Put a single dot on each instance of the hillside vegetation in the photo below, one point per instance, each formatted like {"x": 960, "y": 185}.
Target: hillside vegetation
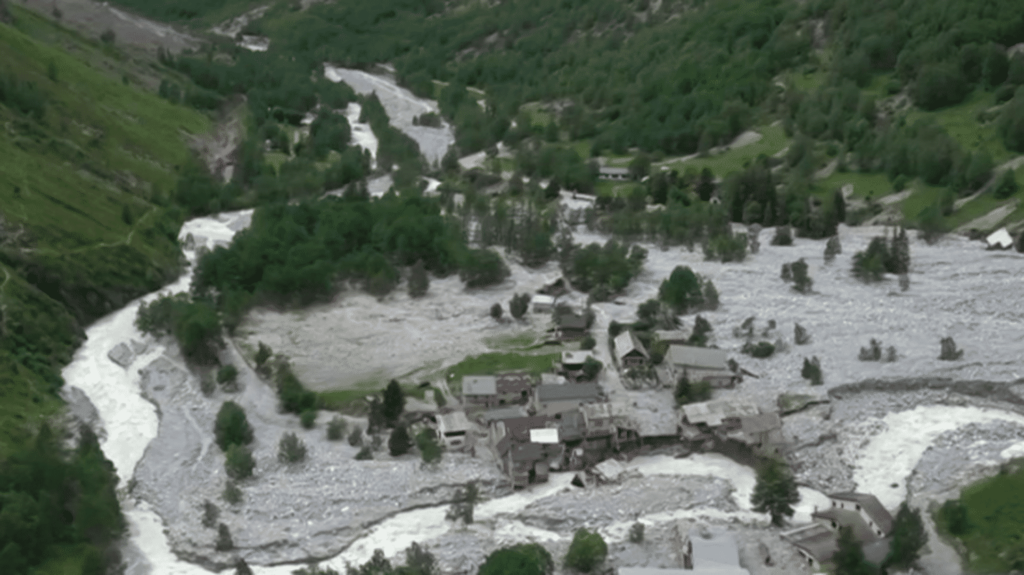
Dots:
{"x": 88, "y": 169}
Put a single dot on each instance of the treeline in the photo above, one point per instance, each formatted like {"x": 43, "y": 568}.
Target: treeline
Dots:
{"x": 51, "y": 498}
{"x": 295, "y": 254}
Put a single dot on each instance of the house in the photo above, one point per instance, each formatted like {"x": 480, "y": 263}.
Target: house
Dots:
{"x": 453, "y": 429}
{"x": 610, "y": 173}
{"x": 479, "y": 390}
{"x": 763, "y": 432}
{"x": 574, "y": 360}
{"x": 524, "y": 448}
{"x": 494, "y": 390}
{"x": 999, "y": 239}
{"x": 569, "y": 326}
{"x": 717, "y": 412}
{"x": 670, "y": 336}
{"x": 629, "y": 350}
{"x": 701, "y": 364}
{"x": 489, "y": 417}
{"x": 878, "y": 519}
{"x": 553, "y": 379}
{"x": 870, "y": 522}
{"x": 542, "y": 303}
{"x": 552, "y": 399}
{"x": 513, "y": 387}
{"x": 703, "y": 552}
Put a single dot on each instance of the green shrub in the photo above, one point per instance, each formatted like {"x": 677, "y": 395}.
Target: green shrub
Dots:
{"x": 426, "y": 442}
{"x": 232, "y": 427}
{"x": 523, "y": 559}
{"x": 232, "y": 494}
{"x": 227, "y": 377}
{"x": 239, "y": 462}
{"x": 364, "y": 454}
{"x": 586, "y": 552}
{"x": 291, "y": 449}
{"x": 761, "y": 349}
{"x": 588, "y": 342}
{"x": 336, "y": 428}
{"x": 308, "y": 419}
{"x": 399, "y": 441}
{"x": 439, "y": 398}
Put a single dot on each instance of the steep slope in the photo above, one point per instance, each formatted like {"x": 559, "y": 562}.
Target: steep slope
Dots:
{"x": 87, "y": 167}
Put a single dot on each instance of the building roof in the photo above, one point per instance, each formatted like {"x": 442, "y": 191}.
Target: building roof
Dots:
{"x": 542, "y": 299}
{"x": 503, "y": 413}
{"x": 479, "y": 385}
{"x": 653, "y": 571}
{"x": 552, "y": 379}
{"x": 513, "y": 382}
{"x": 575, "y": 357}
{"x": 760, "y": 423}
{"x": 1000, "y": 238}
{"x": 581, "y": 391}
{"x": 872, "y": 506}
{"x": 613, "y": 170}
{"x": 546, "y": 435}
{"x": 701, "y": 357}
{"x": 519, "y": 427}
{"x": 571, "y": 321}
{"x": 848, "y": 518}
{"x": 454, "y": 421}
{"x": 714, "y": 548}
{"x": 626, "y": 343}
{"x": 815, "y": 539}
{"x": 715, "y": 411}
{"x": 671, "y": 335}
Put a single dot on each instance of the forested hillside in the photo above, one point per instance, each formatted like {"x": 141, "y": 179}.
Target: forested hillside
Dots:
{"x": 89, "y": 164}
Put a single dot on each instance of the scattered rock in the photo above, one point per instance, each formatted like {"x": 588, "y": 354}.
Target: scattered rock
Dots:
{"x": 122, "y": 355}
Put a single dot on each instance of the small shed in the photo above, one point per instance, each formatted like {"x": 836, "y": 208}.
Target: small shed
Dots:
{"x": 571, "y": 326}
{"x": 999, "y": 239}
{"x": 542, "y": 303}
{"x": 453, "y": 429}
{"x": 572, "y": 360}
{"x": 612, "y": 173}
{"x": 629, "y": 350}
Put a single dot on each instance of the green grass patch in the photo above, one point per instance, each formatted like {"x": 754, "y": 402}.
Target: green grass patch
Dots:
{"x": 995, "y": 515}
{"x": 864, "y": 185}
{"x": 975, "y": 208}
{"x": 922, "y": 196}
{"x": 497, "y": 362}
{"x": 773, "y": 140}
{"x": 961, "y": 121}
{"x": 517, "y": 341}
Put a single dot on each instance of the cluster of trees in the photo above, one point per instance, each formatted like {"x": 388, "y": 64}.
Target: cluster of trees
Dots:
{"x": 883, "y": 254}
{"x": 602, "y": 271}
{"x": 52, "y": 497}
{"x": 522, "y": 226}
{"x": 296, "y": 254}
{"x": 687, "y": 292}
{"x": 194, "y": 323}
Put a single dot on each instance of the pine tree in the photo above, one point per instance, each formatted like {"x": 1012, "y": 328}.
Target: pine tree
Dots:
{"x": 849, "y": 559}
{"x": 394, "y": 402}
{"x": 908, "y": 537}
{"x": 800, "y": 335}
{"x": 899, "y": 253}
{"x": 775, "y": 492}
{"x": 802, "y": 282}
{"x": 399, "y": 443}
{"x": 518, "y": 305}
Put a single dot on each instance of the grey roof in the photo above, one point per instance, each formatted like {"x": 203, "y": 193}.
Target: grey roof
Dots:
{"x": 571, "y": 321}
{"x": 760, "y": 423}
{"x": 653, "y": 571}
{"x": 479, "y": 385}
{"x": 671, "y": 335}
{"x": 718, "y": 548}
{"x": 568, "y": 392}
{"x": 872, "y": 506}
{"x": 702, "y": 357}
{"x": 613, "y": 170}
{"x": 503, "y": 413}
{"x": 714, "y": 411}
{"x": 848, "y": 518}
{"x": 816, "y": 539}
{"x": 626, "y": 343}
{"x": 454, "y": 421}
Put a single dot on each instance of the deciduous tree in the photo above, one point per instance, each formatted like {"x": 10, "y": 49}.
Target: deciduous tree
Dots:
{"x": 587, "y": 551}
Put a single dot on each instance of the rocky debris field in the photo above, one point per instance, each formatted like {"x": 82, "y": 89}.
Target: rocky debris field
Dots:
{"x": 289, "y": 513}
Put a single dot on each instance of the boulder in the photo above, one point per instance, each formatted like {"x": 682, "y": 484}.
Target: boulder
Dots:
{"x": 122, "y": 355}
